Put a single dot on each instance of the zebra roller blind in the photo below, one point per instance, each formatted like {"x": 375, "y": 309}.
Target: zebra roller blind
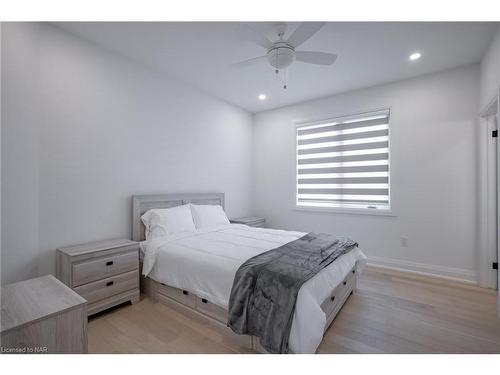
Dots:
{"x": 344, "y": 162}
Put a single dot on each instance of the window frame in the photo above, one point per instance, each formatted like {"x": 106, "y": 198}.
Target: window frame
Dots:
{"x": 345, "y": 210}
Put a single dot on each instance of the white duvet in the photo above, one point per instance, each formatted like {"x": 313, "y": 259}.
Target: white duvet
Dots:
{"x": 204, "y": 262}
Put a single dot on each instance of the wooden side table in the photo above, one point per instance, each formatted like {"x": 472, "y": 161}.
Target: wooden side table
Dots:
{"x": 105, "y": 273}
{"x": 42, "y": 315}
{"x": 251, "y": 221}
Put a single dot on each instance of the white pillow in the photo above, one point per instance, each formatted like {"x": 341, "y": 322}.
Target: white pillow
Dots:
{"x": 208, "y": 216}
{"x": 167, "y": 221}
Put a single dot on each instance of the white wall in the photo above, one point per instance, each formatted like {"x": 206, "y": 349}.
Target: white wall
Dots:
{"x": 83, "y": 129}
{"x": 490, "y": 71}
{"x": 433, "y": 156}
{"x": 19, "y": 153}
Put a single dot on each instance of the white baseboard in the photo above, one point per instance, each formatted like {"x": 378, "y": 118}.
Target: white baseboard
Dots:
{"x": 449, "y": 273}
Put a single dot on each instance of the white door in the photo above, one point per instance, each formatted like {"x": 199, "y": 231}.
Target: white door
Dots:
{"x": 488, "y": 203}
{"x": 492, "y": 198}
{"x": 489, "y": 193}
{"x": 498, "y": 200}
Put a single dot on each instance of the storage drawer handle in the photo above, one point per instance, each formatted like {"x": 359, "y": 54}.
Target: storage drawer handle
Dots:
{"x": 110, "y": 263}
{"x": 109, "y": 283}
{"x": 345, "y": 282}
{"x": 332, "y": 298}
{"x": 185, "y": 292}
{"x": 353, "y": 271}
{"x": 204, "y": 300}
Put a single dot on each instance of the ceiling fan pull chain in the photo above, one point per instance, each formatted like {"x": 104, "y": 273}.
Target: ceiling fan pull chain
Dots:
{"x": 276, "y": 59}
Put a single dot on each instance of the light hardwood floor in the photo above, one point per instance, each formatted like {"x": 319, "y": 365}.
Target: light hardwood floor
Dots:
{"x": 391, "y": 312}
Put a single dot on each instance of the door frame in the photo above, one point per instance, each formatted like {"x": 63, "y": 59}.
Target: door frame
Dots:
{"x": 486, "y": 274}
{"x": 488, "y": 228}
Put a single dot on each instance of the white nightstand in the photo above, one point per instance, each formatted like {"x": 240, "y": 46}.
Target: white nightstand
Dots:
{"x": 105, "y": 273}
{"x": 250, "y": 220}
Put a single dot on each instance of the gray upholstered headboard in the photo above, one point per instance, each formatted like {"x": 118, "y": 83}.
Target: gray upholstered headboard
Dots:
{"x": 143, "y": 203}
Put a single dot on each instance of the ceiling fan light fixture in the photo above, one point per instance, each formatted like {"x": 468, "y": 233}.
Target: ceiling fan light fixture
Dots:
{"x": 281, "y": 57}
{"x": 415, "y": 56}
{"x": 262, "y": 96}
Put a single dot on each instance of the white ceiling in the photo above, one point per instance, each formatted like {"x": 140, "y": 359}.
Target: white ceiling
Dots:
{"x": 201, "y": 54}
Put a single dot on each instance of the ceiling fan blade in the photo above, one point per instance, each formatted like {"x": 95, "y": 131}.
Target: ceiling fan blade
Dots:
{"x": 257, "y": 37}
{"x": 318, "y": 58}
{"x": 249, "y": 62}
{"x": 304, "y": 32}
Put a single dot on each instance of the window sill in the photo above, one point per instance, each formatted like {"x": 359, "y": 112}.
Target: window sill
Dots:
{"x": 351, "y": 211}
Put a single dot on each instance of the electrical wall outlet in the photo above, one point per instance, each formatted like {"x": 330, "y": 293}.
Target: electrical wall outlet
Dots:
{"x": 403, "y": 241}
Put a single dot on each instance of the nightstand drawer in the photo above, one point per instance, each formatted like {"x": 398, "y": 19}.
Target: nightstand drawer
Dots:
{"x": 109, "y": 287}
{"x": 101, "y": 268}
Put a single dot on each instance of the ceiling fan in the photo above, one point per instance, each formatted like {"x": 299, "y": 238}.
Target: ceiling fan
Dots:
{"x": 282, "y": 52}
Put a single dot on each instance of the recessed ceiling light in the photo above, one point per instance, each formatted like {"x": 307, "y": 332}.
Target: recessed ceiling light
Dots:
{"x": 415, "y": 56}
{"x": 262, "y": 97}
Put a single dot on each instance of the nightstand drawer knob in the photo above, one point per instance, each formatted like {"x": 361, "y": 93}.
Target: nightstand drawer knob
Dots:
{"x": 109, "y": 283}
{"x": 110, "y": 263}
{"x": 185, "y": 292}
{"x": 204, "y": 300}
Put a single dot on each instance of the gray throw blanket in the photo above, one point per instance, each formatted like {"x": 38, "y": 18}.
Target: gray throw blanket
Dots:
{"x": 265, "y": 287}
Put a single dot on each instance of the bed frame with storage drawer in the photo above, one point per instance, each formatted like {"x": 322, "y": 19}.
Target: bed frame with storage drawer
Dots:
{"x": 200, "y": 308}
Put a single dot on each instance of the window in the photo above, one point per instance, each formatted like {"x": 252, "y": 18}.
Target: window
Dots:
{"x": 344, "y": 162}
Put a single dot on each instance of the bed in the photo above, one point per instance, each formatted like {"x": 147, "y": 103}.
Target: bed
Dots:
{"x": 193, "y": 272}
